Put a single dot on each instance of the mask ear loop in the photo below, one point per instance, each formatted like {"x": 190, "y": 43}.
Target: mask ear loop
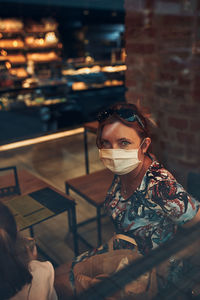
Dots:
{"x": 142, "y": 143}
{"x": 146, "y": 153}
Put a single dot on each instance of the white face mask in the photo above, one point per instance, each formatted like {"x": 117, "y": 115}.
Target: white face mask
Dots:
{"x": 120, "y": 161}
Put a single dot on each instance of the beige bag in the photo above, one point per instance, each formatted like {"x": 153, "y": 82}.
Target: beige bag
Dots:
{"x": 97, "y": 267}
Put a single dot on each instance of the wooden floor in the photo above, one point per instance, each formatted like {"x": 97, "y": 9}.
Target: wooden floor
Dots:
{"x": 55, "y": 162}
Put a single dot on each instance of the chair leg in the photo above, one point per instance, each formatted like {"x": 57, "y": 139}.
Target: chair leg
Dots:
{"x": 69, "y": 221}
{"x": 86, "y": 152}
{"x": 69, "y": 212}
{"x": 74, "y": 230}
{"x": 31, "y": 231}
{"x": 99, "y": 239}
{"x": 67, "y": 189}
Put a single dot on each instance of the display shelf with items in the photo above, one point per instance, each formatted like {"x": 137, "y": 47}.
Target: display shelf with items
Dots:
{"x": 83, "y": 89}
{"x": 42, "y": 42}
{"x": 30, "y": 59}
{"x": 95, "y": 75}
{"x": 64, "y": 93}
{"x": 25, "y": 46}
{"x": 12, "y": 50}
{"x": 34, "y": 93}
{"x": 94, "y": 85}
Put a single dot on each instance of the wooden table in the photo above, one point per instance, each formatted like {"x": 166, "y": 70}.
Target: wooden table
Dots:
{"x": 38, "y": 202}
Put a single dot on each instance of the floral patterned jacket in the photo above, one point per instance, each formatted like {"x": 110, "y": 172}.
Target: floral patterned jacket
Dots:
{"x": 151, "y": 214}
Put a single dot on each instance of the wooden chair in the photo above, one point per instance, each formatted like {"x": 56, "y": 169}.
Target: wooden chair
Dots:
{"x": 92, "y": 187}
{"x": 12, "y": 187}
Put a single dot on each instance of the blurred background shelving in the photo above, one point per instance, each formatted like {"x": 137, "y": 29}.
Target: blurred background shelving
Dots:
{"x": 59, "y": 71}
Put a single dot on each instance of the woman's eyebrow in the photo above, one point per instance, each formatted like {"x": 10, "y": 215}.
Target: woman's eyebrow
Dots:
{"x": 105, "y": 141}
{"x": 124, "y": 138}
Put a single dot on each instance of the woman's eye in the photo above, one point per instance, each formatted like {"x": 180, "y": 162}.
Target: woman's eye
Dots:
{"x": 125, "y": 143}
{"x": 105, "y": 144}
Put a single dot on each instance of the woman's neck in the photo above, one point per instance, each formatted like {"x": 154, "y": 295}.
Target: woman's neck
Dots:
{"x": 131, "y": 181}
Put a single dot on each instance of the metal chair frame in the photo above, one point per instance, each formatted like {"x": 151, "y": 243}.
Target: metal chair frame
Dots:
{"x": 13, "y": 189}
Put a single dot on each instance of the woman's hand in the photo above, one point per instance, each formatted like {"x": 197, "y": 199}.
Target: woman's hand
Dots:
{"x": 31, "y": 248}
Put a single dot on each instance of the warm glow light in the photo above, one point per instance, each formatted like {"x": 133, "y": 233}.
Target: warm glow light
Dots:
{"x": 78, "y": 86}
{"x": 1, "y": 35}
{"x": 41, "y": 139}
{"x": 89, "y": 59}
{"x": 3, "y": 52}
{"x": 111, "y": 69}
{"x": 15, "y": 43}
{"x": 46, "y": 56}
{"x": 10, "y": 25}
{"x": 18, "y": 58}
{"x": 41, "y": 41}
{"x": 8, "y": 65}
{"x": 50, "y": 37}
{"x": 29, "y": 39}
{"x": 19, "y": 72}
{"x": 94, "y": 69}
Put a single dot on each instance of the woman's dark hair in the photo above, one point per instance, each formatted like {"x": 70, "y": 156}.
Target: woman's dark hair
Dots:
{"x": 141, "y": 124}
{"x": 14, "y": 272}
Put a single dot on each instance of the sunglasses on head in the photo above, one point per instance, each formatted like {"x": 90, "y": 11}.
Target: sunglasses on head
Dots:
{"x": 126, "y": 114}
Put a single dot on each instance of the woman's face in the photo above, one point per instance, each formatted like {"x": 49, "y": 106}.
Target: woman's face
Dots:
{"x": 119, "y": 136}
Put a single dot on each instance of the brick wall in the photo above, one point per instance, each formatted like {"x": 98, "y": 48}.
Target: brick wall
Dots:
{"x": 163, "y": 71}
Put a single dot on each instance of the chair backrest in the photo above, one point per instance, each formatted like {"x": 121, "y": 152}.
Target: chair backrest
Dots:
{"x": 193, "y": 184}
{"x": 9, "y": 182}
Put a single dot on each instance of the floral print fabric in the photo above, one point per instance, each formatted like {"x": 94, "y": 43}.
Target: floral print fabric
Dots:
{"x": 151, "y": 214}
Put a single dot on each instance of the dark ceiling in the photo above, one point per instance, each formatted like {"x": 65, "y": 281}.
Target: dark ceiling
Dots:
{"x": 116, "y": 5}
{"x": 84, "y": 11}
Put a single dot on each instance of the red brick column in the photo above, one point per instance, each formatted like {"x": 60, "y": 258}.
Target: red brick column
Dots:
{"x": 163, "y": 71}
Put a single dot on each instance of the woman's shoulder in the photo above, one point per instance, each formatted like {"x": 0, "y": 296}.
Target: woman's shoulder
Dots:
{"x": 157, "y": 173}
{"x": 41, "y": 268}
{"x": 41, "y": 286}
{"x": 43, "y": 280}
{"x": 42, "y": 264}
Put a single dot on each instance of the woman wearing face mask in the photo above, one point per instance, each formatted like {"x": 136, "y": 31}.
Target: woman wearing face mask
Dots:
{"x": 145, "y": 202}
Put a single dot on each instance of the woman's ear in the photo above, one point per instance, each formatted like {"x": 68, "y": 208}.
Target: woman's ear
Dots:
{"x": 146, "y": 144}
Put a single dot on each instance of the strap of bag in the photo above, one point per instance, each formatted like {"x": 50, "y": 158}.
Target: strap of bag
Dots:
{"x": 125, "y": 238}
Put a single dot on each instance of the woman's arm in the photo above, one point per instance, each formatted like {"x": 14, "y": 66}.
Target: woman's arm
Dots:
{"x": 192, "y": 222}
